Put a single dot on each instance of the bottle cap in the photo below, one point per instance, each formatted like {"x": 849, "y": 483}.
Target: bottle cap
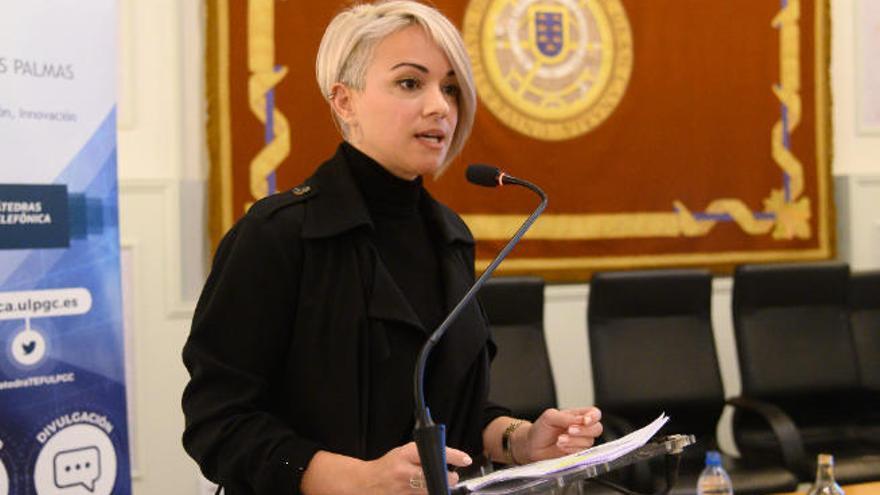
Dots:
{"x": 713, "y": 458}
{"x": 826, "y": 459}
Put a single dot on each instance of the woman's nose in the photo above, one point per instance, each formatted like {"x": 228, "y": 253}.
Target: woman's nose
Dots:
{"x": 437, "y": 103}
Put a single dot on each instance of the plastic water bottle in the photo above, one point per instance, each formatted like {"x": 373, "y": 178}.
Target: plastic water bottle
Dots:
{"x": 825, "y": 484}
{"x": 714, "y": 480}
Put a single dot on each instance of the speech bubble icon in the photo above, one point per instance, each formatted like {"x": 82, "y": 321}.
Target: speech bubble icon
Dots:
{"x": 77, "y": 467}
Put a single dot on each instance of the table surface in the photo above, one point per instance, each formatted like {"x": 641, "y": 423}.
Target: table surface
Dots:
{"x": 872, "y": 488}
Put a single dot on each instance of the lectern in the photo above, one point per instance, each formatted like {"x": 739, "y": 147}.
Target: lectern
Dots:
{"x": 575, "y": 481}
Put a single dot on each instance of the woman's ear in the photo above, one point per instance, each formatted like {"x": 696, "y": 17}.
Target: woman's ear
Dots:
{"x": 342, "y": 103}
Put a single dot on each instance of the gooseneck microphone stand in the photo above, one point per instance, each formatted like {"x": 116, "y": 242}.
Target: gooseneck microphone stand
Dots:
{"x": 430, "y": 438}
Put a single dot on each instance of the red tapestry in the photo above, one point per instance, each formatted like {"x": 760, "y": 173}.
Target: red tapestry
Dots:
{"x": 665, "y": 132}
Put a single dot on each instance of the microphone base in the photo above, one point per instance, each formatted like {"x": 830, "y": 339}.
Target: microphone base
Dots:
{"x": 431, "y": 443}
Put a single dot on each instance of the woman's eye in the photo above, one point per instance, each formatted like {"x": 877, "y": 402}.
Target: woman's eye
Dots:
{"x": 452, "y": 90}
{"x": 408, "y": 84}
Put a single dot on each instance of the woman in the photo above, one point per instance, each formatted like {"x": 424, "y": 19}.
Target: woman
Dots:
{"x": 305, "y": 337}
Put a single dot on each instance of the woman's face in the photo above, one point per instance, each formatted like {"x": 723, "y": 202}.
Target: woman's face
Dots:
{"x": 406, "y": 114}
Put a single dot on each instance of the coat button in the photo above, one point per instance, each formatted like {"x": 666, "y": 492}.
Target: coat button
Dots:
{"x": 300, "y": 190}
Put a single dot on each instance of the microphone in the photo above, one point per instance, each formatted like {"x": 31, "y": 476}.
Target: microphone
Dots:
{"x": 489, "y": 176}
{"x": 484, "y": 175}
{"x": 430, "y": 438}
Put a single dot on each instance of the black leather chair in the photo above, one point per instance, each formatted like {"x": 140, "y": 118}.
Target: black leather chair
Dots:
{"x": 864, "y": 303}
{"x": 801, "y": 385}
{"x": 652, "y": 350}
{"x": 521, "y": 376}
{"x": 864, "y": 306}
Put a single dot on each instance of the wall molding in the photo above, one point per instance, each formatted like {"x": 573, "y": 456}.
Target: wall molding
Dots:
{"x": 167, "y": 197}
{"x": 867, "y": 180}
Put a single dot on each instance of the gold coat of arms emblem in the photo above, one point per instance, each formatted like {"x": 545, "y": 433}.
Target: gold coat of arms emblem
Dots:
{"x": 549, "y": 69}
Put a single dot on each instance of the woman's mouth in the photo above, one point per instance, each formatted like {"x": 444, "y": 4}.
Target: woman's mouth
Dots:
{"x": 431, "y": 137}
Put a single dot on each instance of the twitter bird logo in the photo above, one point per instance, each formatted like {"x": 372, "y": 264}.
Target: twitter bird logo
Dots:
{"x": 29, "y": 347}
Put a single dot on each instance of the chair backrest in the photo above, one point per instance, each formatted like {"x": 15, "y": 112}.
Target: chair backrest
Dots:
{"x": 522, "y": 378}
{"x": 864, "y": 303}
{"x": 791, "y": 323}
{"x": 652, "y": 348}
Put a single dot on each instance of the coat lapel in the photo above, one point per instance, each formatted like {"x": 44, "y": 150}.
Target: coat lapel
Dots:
{"x": 338, "y": 207}
{"x": 386, "y": 301}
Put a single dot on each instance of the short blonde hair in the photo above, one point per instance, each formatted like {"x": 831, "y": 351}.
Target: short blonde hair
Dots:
{"x": 347, "y": 49}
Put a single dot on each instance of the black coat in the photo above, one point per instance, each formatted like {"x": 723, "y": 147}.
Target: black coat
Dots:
{"x": 294, "y": 316}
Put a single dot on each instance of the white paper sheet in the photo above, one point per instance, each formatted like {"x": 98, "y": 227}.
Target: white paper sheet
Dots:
{"x": 599, "y": 454}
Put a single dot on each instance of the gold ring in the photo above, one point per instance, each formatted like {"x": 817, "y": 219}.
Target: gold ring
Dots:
{"x": 417, "y": 482}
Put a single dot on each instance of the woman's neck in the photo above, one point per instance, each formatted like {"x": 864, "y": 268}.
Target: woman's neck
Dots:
{"x": 383, "y": 191}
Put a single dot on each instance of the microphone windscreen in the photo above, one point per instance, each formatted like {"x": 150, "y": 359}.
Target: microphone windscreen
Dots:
{"x": 483, "y": 175}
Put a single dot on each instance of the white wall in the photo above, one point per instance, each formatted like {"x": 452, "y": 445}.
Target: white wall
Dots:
{"x": 856, "y": 149}
{"x": 162, "y": 173}
{"x": 162, "y": 170}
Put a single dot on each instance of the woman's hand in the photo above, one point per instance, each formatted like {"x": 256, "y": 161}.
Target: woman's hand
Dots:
{"x": 556, "y": 433}
{"x": 399, "y": 471}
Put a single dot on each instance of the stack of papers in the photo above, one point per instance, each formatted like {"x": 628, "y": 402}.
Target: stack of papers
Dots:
{"x": 593, "y": 456}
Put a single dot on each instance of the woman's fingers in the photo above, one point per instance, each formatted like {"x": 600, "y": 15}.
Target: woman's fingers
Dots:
{"x": 571, "y": 442}
{"x": 579, "y": 437}
{"x": 593, "y": 415}
{"x": 562, "y": 419}
{"x": 458, "y": 458}
{"x": 416, "y": 476}
{"x": 583, "y": 411}
{"x": 454, "y": 457}
{"x": 453, "y": 479}
{"x": 592, "y": 431}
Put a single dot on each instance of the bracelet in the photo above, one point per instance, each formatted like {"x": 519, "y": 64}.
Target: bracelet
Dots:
{"x": 505, "y": 441}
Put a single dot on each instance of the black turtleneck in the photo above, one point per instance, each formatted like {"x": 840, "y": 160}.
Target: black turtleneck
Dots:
{"x": 401, "y": 234}
{"x": 403, "y": 237}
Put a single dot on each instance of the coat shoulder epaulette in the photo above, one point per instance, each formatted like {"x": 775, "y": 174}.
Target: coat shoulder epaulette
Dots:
{"x": 271, "y": 205}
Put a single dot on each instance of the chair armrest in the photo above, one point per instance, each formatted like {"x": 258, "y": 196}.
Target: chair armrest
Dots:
{"x": 784, "y": 429}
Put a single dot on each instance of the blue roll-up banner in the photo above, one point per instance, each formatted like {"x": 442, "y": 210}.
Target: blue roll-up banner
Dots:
{"x": 62, "y": 379}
